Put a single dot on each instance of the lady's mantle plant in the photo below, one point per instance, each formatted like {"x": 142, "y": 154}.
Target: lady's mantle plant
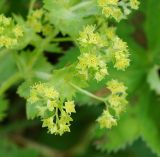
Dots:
{"x": 50, "y": 91}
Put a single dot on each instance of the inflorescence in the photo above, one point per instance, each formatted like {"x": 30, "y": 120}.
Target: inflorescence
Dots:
{"x": 39, "y": 22}
{"x": 10, "y": 32}
{"x": 98, "y": 49}
{"x": 54, "y": 112}
{"x": 118, "y": 9}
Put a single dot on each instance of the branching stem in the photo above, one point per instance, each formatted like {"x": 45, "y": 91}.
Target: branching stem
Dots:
{"x": 88, "y": 93}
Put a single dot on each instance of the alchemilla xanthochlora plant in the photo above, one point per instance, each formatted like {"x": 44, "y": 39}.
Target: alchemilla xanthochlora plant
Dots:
{"x": 50, "y": 91}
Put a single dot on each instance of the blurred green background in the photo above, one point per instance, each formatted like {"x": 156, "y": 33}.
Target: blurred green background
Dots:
{"x": 138, "y": 131}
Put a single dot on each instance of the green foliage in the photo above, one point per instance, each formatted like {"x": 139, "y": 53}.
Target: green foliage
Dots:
{"x": 140, "y": 120}
{"x": 10, "y": 150}
{"x": 154, "y": 80}
{"x": 3, "y": 108}
{"x": 63, "y": 51}
{"x": 71, "y": 16}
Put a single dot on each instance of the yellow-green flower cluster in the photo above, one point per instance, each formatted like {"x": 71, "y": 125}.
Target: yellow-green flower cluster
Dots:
{"x": 89, "y": 37}
{"x": 134, "y": 4}
{"x": 38, "y": 21}
{"x": 118, "y": 49}
{"x": 106, "y": 120}
{"x": 117, "y": 9}
{"x": 117, "y": 103}
{"x": 35, "y": 20}
{"x": 117, "y": 98}
{"x": 92, "y": 64}
{"x": 97, "y": 50}
{"x": 10, "y": 32}
{"x": 121, "y": 54}
{"x": 110, "y": 8}
{"x": 55, "y": 113}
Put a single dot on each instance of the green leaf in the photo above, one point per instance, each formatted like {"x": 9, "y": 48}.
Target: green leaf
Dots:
{"x": 149, "y": 120}
{"x": 53, "y": 48}
{"x": 3, "y": 6}
{"x": 39, "y": 70}
{"x": 8, "y": 66}
{"x": 3, "y": 108}
{"x": 68, "y": 58}
{"x": 69, "y": 18}
{"x": 32, "y": 110}
{"x": 9, "y": 149}
{"x": 24, "y": 89}
{"x": 62, "y": 80}
{"x": 154, "y": 79}
{"x": 151, "y": 8}
{"x": 29, "y": 36}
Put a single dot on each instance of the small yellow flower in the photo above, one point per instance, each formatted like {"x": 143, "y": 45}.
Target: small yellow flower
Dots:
{"x": 63, "y": 128}
{"x": 70, "y": 107}
{"x": 118, "y": 103}
{"x": 117, "y": 14}
{"x": 48, "y": 122}
{"x": 33, "y": 98}
{"x": 53, "y": 129}
{"x": 110, "y": 33}
{"x": 7, "y": 42}
{"x": 47, "y": 29}
{"x": 116, "y": 87}
{"x": 51, "y": 104}
{"x": 18, "y": 31}
{"x": 37, "y": 14}
{"x": 107, "y": 2}
{"x": 120, "y": 45}
{"x": 5, "y": 21}
{"x": 51, "y": 93}
{"x": 88, "y": 60}
{"x": 106, "y": 120}
{"x": 110, "y": 8}
{"x": 88, "y": 36}
{"x": 122, "y": 62}
{"x": 134, "y": 4}
{"x": 101, "y": 74}
{"x": 98, "y": 76}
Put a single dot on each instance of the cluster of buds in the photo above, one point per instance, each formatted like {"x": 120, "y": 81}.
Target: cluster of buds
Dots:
{"x": 38, "y": 21}
{"x": 117, "y": 98}
{"x": 92, "y": 64}
{"x": 10, "y": 33}
{"x": 54, "y": 113}
{"x": 121, "y": 54}
{"x": 106, "y": 120}
{"x": 88, "y": 37}
{"x": 117, "y": 9}
{"x": 118, "y": 49}
{"x": 117, "y": 103}
{"x": 98, "y": 49}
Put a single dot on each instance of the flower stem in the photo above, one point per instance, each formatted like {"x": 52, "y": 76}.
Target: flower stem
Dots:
{"x": 32, "y": 2}
{"x": 63, "y": 39}
{"x": 13, "y": 79}
{"x": 87, "y": 93}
